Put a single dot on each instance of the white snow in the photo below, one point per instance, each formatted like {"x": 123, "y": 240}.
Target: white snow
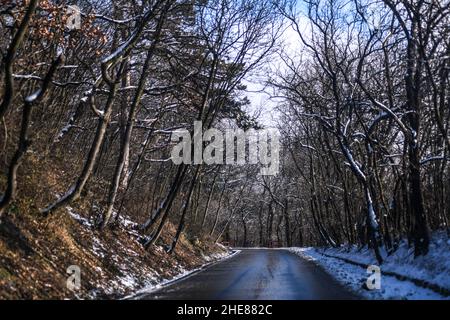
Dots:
{"x": 32, "y": 97}
{"x": 433, "y": 268}
{"x": 183, "y": 274}
{"x": 147, "y": 279}
{"x": 82, "y": 220}
{"x": 98, "y": 248}
{"x": 353, "y": 163}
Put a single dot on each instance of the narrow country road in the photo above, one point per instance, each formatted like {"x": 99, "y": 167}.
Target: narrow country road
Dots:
{"x": 259, "y": 274}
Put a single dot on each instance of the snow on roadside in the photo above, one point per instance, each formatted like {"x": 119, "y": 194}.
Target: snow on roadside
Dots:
{"x": 213, "y": 259}
{"x": 433, "y": 268}
{"x": 131, "y": 275}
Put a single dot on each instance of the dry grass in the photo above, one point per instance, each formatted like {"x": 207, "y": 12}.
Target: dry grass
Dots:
{"x": 35, "y": 252}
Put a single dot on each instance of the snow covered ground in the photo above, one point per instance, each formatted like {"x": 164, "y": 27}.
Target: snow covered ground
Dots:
{"x": 433, "y": 269}
{"x": 213, "y": 259}
{"x": 133, "y": 276}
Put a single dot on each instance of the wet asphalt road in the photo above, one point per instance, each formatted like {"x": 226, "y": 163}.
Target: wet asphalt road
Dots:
{"x": 256, "y": 274}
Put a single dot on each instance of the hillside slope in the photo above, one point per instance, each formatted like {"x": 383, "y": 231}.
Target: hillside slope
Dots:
{"x": 35, "y": 255}
{"x": 35, "y": 252}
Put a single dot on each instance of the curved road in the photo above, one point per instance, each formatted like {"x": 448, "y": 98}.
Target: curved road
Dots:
{"x": 256, "y": 274}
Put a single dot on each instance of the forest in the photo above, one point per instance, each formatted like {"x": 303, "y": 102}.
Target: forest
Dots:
{"x": 92, "y": 92}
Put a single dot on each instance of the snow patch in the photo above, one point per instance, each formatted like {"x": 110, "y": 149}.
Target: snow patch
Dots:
{"x": 433, "y": 268}
{"x": 215, "y": 258}
{"x": 82, "y": 220}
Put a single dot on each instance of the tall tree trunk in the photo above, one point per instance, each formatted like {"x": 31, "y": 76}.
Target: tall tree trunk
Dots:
{"x": 125, "y": 145}
{"x": 287, "y": 228}
{"x": 24, "y": 143}
{"x": 216, "y": 219}
{"x": 208, "y": 202}
{"x": 185, "y": 210}
{"x": 167, "y": 201}
{"x": 75, "y": 190}
{"x": 8, "y": 91}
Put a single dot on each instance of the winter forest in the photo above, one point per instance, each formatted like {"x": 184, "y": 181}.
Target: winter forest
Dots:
{"x": 91, "y": 92}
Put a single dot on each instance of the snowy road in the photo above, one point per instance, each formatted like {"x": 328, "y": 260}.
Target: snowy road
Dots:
{"x": 265, "y": 274}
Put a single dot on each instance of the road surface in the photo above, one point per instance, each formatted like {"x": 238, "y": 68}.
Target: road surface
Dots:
{"x": 256, "y": 274}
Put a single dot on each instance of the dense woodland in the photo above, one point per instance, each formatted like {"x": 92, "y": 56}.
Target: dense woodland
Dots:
{"x": 363, "y": 105}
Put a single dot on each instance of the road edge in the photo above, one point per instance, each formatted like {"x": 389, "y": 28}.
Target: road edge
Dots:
{"x": 164, "y": 284}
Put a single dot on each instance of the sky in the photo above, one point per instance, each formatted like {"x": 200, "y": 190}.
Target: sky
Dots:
{"x": 262, "y": 97}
